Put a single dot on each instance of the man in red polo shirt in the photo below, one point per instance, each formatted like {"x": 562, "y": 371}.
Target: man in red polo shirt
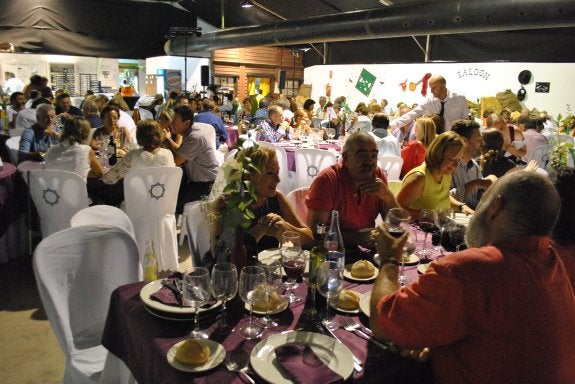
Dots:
{"x": 355, "y": 187}
{"x": 501, "y": 311}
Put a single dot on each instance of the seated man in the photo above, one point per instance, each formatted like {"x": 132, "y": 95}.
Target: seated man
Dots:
{"x": 65, "y": 109}
{"x": 36, "y": 139}
{"x": 208, "y": 116}
{"x": 198, "y": 157}
{"x": 387, "y": 144}
{"x": 467, "y": 180}
{"x": 356, "y": 187}
{"x": 497, "y": 312}
{"x": 271, "y": 129}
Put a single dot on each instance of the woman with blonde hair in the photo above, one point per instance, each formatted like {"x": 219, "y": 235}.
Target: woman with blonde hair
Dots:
{"x": 413, "y": 154}
{"x": 172, "y": 139}
{"x": 427, "y": 186}
{"x": 272, "y": 213}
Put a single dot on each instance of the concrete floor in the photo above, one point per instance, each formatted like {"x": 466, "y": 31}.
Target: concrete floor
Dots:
{"x": 29, "y": 351}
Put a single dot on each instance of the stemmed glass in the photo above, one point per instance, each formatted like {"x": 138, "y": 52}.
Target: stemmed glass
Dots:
{"x": 251, "y": 278}
{"x": 224, "y": 286}
{"x": 273, "y": 274}
{"x": 197, "y": 293}
{"x": 329, "y": 284}
{"x": 427, "y": 225}
{"x": 397, "y": 220}
{"x": 293, "y": 262}
{"x": 330, "y": 133}
{"x": 442, "y": 220}
{"x": 457, "y": 236}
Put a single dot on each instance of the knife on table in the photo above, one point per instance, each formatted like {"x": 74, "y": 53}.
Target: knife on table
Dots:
{"x": 356, "y": 362}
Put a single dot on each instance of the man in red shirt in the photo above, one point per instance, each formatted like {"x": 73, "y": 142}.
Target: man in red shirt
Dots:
{"x": 499, "y": 312}
{"x": 356, "y": 187}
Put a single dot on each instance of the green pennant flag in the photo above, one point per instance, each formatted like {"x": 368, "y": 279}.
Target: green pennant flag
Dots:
{"x": 365, "y": 82}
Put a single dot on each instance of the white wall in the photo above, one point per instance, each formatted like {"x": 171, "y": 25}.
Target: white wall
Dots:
{"x": 175, "y": 62}
{"x": 473, "y": 80}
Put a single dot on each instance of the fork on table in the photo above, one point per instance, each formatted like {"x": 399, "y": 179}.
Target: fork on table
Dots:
{"x": 351, "y": 325}
{"x": 233, "y": 365}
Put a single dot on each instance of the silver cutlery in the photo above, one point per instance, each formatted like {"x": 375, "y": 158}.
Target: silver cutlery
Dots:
{"x": 234, "y": 366}
{"x": 351, "y": 326}
{"x": 356, "y": 362}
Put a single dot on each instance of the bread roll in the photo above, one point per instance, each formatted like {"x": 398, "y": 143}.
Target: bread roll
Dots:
{"x": 362, "y": 269}
{"x": 265, "y": 301}
{"x": 193, "y": 352}
{"x": 348, "y": 300}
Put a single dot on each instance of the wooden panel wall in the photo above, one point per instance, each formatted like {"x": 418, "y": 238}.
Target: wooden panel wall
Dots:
{"x": 257, "y": 61}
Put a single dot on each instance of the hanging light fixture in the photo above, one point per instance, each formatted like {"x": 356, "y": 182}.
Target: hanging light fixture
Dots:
{"x": 247, "y": 4}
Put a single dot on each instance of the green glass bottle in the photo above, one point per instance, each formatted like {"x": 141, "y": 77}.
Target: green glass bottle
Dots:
{"x": 317, "y": 254}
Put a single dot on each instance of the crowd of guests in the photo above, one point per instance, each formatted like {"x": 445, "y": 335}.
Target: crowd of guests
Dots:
{"x": 497, "y": 312}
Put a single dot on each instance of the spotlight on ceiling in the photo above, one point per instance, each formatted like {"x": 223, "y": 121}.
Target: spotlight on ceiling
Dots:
{"x": 247, "y": 4}
{"x": 387, "y": 3}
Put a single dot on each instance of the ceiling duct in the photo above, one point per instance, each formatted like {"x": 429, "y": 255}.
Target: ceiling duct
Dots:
{"x": 437, "y": 17}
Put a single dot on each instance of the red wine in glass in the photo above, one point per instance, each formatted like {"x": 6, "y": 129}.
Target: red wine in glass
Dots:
{"x": 395, "y": 232}
{"x": 427, "y": 227}
{"x": 293, "y": 268}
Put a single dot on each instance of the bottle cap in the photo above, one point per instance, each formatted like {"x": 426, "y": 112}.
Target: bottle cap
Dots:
{"x": 320, "y": 229}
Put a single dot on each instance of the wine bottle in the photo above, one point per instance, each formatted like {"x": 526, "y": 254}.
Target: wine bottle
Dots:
{"x": 334, "y": 241}
{"x": 150, "y": 263}
{"x": 112, "y": 151}
{"x": 317, "y": 254}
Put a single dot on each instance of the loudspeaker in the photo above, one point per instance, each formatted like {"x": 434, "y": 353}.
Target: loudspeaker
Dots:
{"x": 205, "y": 75}
{"x": 282, "y": 82}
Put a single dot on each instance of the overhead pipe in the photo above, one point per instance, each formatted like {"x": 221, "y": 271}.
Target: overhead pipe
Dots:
{"x": 437, "y": 17}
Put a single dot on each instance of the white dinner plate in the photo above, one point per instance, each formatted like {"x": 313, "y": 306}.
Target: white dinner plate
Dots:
{"x": 422, "y": 268}
{"x": 280, "y": 308}
{"x": 153, "y": 287}
{"x": 296, "y": 142}
{"x": 410, "y": 260}
{"x": 331, "y": 352}
{"x": 217, "y": 355}
{"x": 347, "y": 274}
{"x": 462, "y": 218}
{"x": 364, "y": 303}
{"x": 333, "y": 304}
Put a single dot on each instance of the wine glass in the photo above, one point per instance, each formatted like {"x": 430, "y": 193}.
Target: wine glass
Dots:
{"x": 427, "y": 225}
{"x": 224, "y": 286}
{"x": 273, "y": 274}
{"x": 442, "y": 220}
{"x": 292, "y": 261}
{"x": 251, "y": 279}
{"x": 196, "y": 294}
{"x": 397, "y": 220}
{"x": 329, "y": 284}
{"x": 457, "y": 235}
{"x": 330, "y": 133}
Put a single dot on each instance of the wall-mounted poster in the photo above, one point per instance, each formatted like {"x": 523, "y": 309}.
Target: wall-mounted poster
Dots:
{"x": 173, "y": 79}
{"x": 365, "y": 82}
{"x": 542, "y": 87}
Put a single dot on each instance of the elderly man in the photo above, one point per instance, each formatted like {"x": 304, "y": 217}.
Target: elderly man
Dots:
{"x": 355, "y": 187}
{"x": 272, "y": 129}
{"x": 498, "y": 312}
{"x": 442, "y": 102}
{"x": 39, "y": 137}
{"x": 208, "y": 116}
{"x": 198, "y": 157}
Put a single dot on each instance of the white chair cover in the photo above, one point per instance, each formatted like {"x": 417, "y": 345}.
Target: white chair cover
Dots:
{"x": 145, "y": 114}
{"x": 391, "y": 165}
{"x": 103, "y": 214}
{"x": 285, "y": 184}
{"x": 308, "y": 163}
{"x": 13, "y": 145}
{"x": 76, "y": 271}
{"x": 198, "y": 231}
{"x": 297, "y": 201}
{"x": 151, "y": 195}
{"x": 57, "y": 195}
{"x": 541, "y": 155}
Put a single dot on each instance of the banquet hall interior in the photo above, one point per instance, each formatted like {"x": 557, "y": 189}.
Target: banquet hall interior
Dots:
{"x": 300, "y": 49}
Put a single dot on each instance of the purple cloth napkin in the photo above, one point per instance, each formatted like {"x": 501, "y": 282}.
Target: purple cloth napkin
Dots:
{"x": 303, "y": 365}
{"x": 165, "y": 296}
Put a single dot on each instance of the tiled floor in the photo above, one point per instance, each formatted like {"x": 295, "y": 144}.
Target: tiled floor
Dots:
{"x": 29, "y": 351}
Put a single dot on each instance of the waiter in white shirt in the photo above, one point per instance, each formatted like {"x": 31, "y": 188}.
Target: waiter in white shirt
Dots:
{"x": 442, "y": 102}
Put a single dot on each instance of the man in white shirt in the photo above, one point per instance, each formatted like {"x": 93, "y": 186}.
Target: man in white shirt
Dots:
{"x": 442, "y": 102}
{"x": 12, "y": 84}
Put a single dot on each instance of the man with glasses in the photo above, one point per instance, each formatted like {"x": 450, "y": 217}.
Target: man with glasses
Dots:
{"x": 356, "y": 187}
